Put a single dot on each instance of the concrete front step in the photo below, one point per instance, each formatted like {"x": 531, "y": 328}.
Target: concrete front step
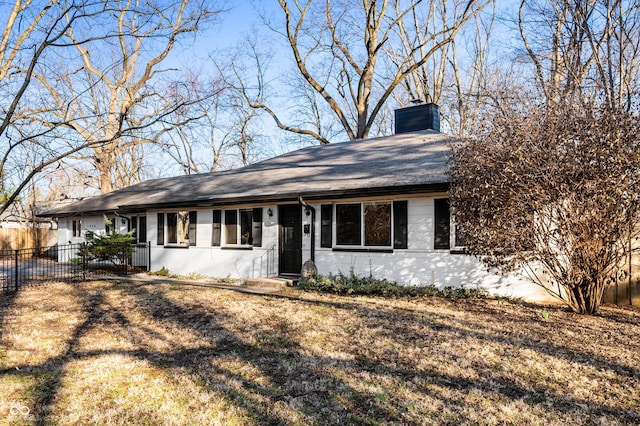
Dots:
{"x": 271, "y": 283}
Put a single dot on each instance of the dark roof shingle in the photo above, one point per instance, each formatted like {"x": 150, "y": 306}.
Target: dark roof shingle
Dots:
{"x": 395, "y": 162}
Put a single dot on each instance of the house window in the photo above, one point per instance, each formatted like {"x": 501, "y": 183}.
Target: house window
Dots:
{"x": 193, "y": 226}
{"x": 377, "y": 224}
{"x": 369, "y": 224}
{"x": 76, "y": 228}
{"x": 246, "y": 218}
{"x": 139, "y": 226}
{"x": 231, "y": 227}
{"x": 242, "y": 227}
{"x": 348, "y": 224}
{"x": 217, "y": 228}
{"x": 442, "y": 223}
{"x": 177, "y": 228}
{"x": 109, "y": 225}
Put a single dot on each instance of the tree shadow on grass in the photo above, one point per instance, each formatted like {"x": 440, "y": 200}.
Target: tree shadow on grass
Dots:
{"x": 7, "y": 300}
{"x": 311, "y": 384}
{"x": 277, "y": 357}
{"x": 275, "y": 360}
{"x": 435, "y": 322}
{"x": 221, "y": 343}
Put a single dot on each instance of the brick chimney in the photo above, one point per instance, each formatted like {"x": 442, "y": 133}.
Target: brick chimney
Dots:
{"x": 416, "y": 118}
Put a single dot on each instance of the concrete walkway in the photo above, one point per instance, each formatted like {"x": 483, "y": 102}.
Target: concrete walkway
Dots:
{"x": 253, "y": 286}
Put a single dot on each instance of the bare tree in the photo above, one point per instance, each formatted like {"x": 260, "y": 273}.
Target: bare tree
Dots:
{"x": 216, "y": 132}
{"x": 552, "y": 191}
{"x": 121, "y": 85}
{"x": 22, "y": 49}
{"x": 339, "y": 48}
{"x": 454, "y": 77}
{"x": 583, "y": 50}
{"x": 57, "y": 110}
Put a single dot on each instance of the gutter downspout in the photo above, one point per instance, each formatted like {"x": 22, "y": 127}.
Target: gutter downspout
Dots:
{"x": 308, "y": 208}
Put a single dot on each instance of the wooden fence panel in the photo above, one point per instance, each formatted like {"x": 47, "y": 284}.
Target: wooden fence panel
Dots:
{"x": 23, "y": 237}
{"x": 626, "y": 288}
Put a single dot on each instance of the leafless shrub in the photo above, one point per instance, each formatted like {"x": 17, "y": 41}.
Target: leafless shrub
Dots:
{"x": 553, "y": 192}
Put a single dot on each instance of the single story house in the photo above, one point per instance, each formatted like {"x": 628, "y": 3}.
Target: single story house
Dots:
{"x": 375, "y": 207}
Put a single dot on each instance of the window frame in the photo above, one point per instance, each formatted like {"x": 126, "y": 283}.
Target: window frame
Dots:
{"x": 363, "y": 223}
{"x": 187, "y": 240}
{"x": 455, "y": 240}
{"x": 140, "y": 232}
{"x": 248, "y": 223}
{"x": 76, "y": 228}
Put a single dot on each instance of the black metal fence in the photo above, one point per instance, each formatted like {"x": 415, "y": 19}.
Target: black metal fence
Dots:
{"x": 40, "y": 265}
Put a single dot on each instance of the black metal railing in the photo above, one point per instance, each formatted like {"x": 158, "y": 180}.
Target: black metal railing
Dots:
{"x": 40, "y": 265}
{"x": 265, "y": 266}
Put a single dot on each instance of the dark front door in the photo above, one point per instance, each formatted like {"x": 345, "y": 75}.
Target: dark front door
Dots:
{"x": 290, "y": 239}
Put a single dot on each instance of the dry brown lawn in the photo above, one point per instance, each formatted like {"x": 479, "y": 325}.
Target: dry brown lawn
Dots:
{"x": 125, "y": 353}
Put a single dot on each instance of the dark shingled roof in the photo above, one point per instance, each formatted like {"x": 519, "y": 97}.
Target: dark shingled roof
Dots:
{"x": 404, "y": 163}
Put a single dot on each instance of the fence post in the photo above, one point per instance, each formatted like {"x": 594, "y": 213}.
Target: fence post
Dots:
{"x": 126, "y": 248}
{"x": 149, "y": 255}
{"x": 16, "y": 272}
{"x": 85, "y": 260}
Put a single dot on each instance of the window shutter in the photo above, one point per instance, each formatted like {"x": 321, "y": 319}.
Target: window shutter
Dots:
{"x": 160, "y": 230}
{"x": 133, "y": 225}
{"x": 442, "y": 221}
{"x": 231, "y": 227}
{"x": 142, "y": 229}
{"x": 217, "y": 228}
{"x": 256, "y": 232}
{"x": 193, "y": 226}
{"x": 400, "y": 225}
{"x": 326, "y": 219}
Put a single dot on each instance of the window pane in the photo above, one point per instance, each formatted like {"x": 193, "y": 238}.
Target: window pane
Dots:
{"x": 348, "y": 224}
{"x": 217, "y": 228}
{"x": 442, "y": 223}
{"x": 183, "y": 227}
{"x": 193, "y": 223}
{"x": 256, "y": 233}
{"x": 133, "y": 225}
{"x": 172, "y": 228}
{"x": 231, "y": 226}
{"x": 246, "y": 219}
{"x": 377, "y": 224}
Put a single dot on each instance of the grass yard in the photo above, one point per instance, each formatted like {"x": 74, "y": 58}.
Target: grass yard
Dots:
{"x": 121, "y": 353}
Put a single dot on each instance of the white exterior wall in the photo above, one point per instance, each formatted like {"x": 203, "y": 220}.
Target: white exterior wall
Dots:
{"x": 87, "y": 223}
{"x": 419, "y": 264}
{"x": 218, "y": 262}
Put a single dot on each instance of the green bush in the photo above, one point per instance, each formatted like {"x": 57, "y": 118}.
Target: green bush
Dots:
{"x": 162, "y": 272}
{"x": 113, "y": 247}
{"x": 354, "y": 285}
